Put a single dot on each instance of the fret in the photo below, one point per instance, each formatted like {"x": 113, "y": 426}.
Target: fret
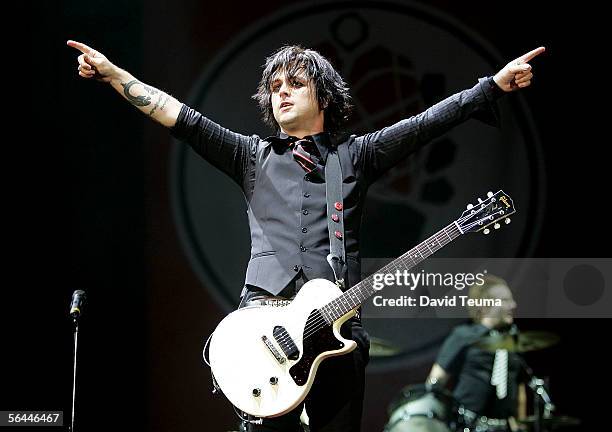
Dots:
{"x": 354, "y": 297}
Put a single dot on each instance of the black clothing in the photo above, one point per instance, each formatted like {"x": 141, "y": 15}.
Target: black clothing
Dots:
{"x": 288, "y": 221}
{"x": 471, "y": 369}
{"x": 287, "y": 208}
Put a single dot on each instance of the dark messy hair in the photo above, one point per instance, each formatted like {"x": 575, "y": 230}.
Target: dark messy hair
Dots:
{"x": 332, "y": 92}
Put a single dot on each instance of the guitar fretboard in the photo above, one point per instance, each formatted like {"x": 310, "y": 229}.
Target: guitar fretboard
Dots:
{"x": 355, "y": 296}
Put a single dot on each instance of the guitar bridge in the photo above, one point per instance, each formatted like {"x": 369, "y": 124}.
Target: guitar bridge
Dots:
{"x": 279, "y": 358}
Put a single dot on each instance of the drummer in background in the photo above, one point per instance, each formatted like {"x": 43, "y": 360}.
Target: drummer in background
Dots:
{"x": 487, "y": 384}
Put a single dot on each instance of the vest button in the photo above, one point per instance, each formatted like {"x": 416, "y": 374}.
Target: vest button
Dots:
{"x": 304, "y": 230}
{"x": 306, "y": 195}
{"x": 304, "y": 212}
{"x": 295, "y": 268}
{"x": 302, "y": 248}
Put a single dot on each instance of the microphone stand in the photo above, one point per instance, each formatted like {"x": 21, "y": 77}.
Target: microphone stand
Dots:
{"x": 75, "y": 323}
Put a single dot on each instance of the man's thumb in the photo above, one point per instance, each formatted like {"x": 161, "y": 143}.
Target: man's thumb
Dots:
{"x": 90, "y": 60}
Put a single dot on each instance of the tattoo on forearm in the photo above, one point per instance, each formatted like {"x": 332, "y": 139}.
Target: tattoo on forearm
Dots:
{"x": 164, "y": 104}
{"x": 138, "y": 100}
{"x": 161, "y": 96}
{"x": 155, "y": 106}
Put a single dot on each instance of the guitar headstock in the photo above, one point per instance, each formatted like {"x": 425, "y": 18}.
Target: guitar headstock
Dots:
{"x": 489, "y": 212}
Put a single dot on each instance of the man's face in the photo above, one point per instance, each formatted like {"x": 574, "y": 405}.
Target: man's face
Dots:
{"x": 504, "y": 314}
{"x": 294, "y": 102}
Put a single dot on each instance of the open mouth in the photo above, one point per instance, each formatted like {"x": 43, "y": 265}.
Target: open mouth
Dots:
{"x": 285, "y": 105}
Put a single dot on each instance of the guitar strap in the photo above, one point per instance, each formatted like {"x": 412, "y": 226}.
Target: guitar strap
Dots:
{"x": 335, "y": 215}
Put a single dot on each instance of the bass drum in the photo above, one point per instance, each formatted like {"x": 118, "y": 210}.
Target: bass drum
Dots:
{"x": 418, "y": 410}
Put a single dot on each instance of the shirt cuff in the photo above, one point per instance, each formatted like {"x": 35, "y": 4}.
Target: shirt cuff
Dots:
{"x": 177, "y": 131}
{"x": 490, "y": 88}
{"x": 492, "y": 93}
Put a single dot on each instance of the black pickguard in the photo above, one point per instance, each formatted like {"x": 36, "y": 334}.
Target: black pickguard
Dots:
{"x": 322, "y": 340}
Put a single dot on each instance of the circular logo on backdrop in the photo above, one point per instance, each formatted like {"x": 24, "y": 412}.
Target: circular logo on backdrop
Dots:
{"x": 398, "y": 60}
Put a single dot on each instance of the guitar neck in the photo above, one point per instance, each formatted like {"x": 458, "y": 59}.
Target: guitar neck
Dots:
{"x": 355, "y": 296}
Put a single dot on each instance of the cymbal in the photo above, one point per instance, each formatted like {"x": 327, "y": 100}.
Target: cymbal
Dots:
{"x": 383, "y": 348}
{"x": 523, "y": 342}
{"x": 552, "y": 422}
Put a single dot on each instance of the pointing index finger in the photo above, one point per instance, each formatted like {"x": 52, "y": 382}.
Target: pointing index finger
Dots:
{"x": 531, "y": 54}
{"x": 80, "y": 46}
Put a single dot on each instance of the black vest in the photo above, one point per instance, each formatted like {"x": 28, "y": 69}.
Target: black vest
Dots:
{"x": 288, "y": 218}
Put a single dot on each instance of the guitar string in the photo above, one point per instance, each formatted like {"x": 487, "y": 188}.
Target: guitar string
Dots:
{"x": 313, "y": 326}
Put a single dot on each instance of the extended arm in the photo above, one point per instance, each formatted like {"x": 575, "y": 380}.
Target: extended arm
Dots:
{"x": 155, "y": 103}
{"x": 381, "y": 150}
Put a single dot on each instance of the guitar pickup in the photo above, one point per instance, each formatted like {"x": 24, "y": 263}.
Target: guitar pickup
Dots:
{"x": 279, "y": 358}
{"x": 286, "y": 343}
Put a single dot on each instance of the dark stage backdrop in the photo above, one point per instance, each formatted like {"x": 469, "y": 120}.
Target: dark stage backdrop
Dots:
{"x": 97, "y": 206}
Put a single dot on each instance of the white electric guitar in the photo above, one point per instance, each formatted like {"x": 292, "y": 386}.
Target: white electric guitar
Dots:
{"x": 265, "y": 359}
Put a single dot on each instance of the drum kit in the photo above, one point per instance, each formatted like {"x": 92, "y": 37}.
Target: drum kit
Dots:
{"x": 421, "y": 408}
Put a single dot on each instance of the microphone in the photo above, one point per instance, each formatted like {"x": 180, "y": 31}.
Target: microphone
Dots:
{"x": 78, "y": 300}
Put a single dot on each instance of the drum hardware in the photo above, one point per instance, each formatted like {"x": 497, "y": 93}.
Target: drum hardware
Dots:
{"x": 422, "y": 409}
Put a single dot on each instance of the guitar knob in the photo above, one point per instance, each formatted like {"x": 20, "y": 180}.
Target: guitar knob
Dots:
{"x": 507, "y": 220}
{"x": 486, "y": 231}
{"x": 496, "y": 226}
{"x": 256, "y": 392}
{"x": 489, "y": 194}
{"x": 273, "y": 380}
{"x": 470, "y": 206}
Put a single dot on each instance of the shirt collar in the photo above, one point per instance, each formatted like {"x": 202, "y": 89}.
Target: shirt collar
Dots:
{"x": 281, "y": 141}
{"x": 323, "y": 140}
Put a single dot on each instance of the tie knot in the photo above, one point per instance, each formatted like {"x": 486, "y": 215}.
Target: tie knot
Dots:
{"x": 307, "y": 145}
{"x": 305, "y": 153}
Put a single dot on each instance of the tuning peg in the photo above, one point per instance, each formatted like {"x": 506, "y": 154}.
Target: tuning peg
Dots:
{"x": 489, "y": 194}
{"x": 486, "y": 231}
{"x": 496, "y": 226}
{"x": 470, "y": 206}
{"x": 507, "y": 220}
{"x": 480, "y": 201}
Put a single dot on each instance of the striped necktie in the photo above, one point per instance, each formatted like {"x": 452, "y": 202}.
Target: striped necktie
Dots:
{"x": 499, "y": 375}
{"x": 303, "y": 152}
